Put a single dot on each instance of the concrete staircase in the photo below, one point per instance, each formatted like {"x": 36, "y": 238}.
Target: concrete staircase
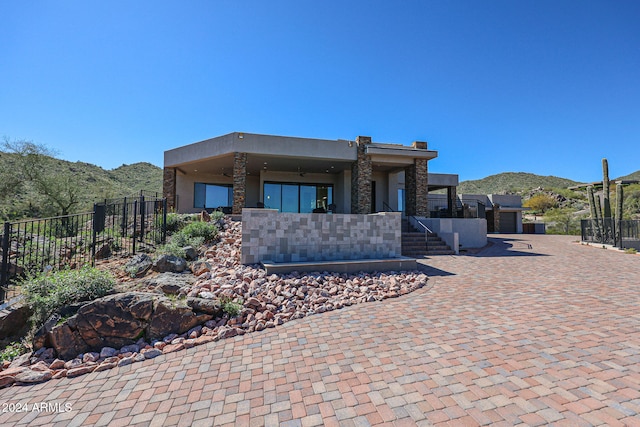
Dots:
{"x": 415, "y": 246}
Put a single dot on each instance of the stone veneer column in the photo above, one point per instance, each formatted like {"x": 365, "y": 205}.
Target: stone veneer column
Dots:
{"x": 417, "y": 185}
{"x": 169, "y": 187}
{"x": 496, "y": 218}
{"x": 361, "y": 172}
{"x": 452, "y": 195}
{"x": 239, "y": 182}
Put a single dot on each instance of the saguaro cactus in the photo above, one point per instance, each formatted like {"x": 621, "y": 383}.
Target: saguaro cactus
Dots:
{"x": 619, "y": 207}
{"x": 595, "y": 216}
{"x": 606, "y": 213}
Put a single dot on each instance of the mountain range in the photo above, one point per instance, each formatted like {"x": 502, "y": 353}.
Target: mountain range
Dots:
{"x": 97, "y": 183}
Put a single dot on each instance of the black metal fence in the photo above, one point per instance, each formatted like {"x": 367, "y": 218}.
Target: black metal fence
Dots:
{"x": 465, "y": 208}
{"x": 115, "y": 227}
{"x": 607, "y": 231}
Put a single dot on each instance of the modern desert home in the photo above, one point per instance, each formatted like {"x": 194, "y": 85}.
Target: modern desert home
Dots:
{"x": 357, "y": 191}
{"x": 243, "y": 170}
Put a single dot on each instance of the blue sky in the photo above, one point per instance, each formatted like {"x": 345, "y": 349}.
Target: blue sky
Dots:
{"x": 548, "y": 87}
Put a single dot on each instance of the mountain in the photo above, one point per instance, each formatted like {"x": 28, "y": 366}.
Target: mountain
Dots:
{"x": 632, "y": 176}
{"x": 512, "y": 182}
{"x": 91, "y": 182}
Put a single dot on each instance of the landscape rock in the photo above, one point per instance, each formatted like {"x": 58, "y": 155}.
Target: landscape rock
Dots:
{"x": 170, "y": 283}
{"x": 81, "y": 370}
{"x": 14, "y": 321}
{"x": 30, "y": 376}
{"x": 169, "y": 263}
{"x": 190, "y": 253}
{"x": 207, "y": 306}
{"x": 152, "y": 353}
{"x": 103, "y": 251}
{"x": 22, "y": 360}
{"x": 138, "y": 265}
{"x": 108, "y": 352}
{"x": 173, "y": 316}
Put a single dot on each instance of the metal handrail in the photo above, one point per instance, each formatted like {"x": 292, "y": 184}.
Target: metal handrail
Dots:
{"x": 421, "y": 223}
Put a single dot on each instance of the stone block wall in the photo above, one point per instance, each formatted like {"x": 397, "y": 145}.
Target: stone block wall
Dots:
{"x": 291, "y": 237}
{"x": 169, "y": 187}
{"x": 239, "y": 181}
{"x": 361, "y": 172}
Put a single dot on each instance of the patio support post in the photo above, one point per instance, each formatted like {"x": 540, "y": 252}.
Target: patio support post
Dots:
{"x": 496, "y": 218}
{"x": 417, "y": 185}
{"x": 361, "y": 172}
{"x": 169, "y": 187}
{"x": 239, "y": 182}
{"x": 452, "y": 195}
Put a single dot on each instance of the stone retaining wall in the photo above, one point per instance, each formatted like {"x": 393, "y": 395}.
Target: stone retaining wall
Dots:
{"x": 291, "y": 237}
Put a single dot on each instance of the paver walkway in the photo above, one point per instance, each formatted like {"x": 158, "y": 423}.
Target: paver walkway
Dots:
{"x": 513, "y": 335}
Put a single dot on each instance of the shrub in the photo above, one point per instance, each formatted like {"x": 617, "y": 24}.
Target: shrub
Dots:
{"x": 232, "y": 308}
{"x": 47, "y": 293}
{"x": 174, "y": 222}
{"x": 176, "y": 246}
{"x": 11, "y": 351}
{"x": 208, "y": 231}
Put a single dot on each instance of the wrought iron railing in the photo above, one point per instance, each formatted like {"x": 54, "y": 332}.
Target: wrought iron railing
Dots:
{"x": 71, "y": 241}
{"x": 608, "y": 231}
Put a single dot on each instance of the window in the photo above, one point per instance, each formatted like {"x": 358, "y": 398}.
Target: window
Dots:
{"x": 212, "y": 196}
{"x": 299, "y": 198}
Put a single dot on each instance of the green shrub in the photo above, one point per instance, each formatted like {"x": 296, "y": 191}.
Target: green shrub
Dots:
{"x": 47, "y": 293}
{"x": 176, "y": 246}
{"x": 631, "y": 251}
{"x": 11, "y": 351}
{"x": 232, "y": 308}
{"x": 174, "y": 222}
{"x": 207, "y": 230}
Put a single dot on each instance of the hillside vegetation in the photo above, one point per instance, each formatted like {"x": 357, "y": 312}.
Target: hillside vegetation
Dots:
{"x": 513, "y": 183}
{"x": 92, "y": 183}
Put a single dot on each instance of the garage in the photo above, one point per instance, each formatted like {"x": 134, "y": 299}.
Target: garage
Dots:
{"x": 508, "y": 222}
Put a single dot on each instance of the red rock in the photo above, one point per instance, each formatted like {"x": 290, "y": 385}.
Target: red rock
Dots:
{"x": 6, "y": 381}
{"x": 105, "y": 366}
{"x": 62, "y": 373}
{"x": 57, "y": 364}
{"x": 76, "y": 372}
{"x": 203, "y": 339}
{"x": 170, "y": 348}
{"x": 40, "y": 366}
{"x": 33, "y": 377}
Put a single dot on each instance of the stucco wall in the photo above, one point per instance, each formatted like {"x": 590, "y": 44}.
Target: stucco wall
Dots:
{"x": 291, "y": 237}
{"x": 472, "y": 231}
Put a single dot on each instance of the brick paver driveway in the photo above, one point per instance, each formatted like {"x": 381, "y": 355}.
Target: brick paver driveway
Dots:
{"x": 547, "y": 334}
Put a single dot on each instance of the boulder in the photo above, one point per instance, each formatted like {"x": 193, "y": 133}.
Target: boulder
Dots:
{"x": 33, "y": 377}
{"x": 208, "y": 306}
{"x": 170, "y": 283}
{"x": 190, "y": 253}
{"x": 138, "y": 265}
{"x": 173, "y": 316}
{"x": 119, "y": 320}
{"x": 103, "y": 251}
{"x": 169, "y": 263}
{"x": 14, "y": 321}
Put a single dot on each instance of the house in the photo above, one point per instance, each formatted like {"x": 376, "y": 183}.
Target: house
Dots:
{"x": 242, "y": 170}
{"x": 276, "y": 182}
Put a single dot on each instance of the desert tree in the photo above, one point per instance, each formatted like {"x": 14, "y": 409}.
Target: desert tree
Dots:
{"x": 36, "y": 166}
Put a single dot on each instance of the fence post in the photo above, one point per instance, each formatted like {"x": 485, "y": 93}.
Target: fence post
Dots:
{"x": 142, "y": 216}
{"x": 135, "y": 225}
{"x": 164, "y": 220}
{"x": 125, "y": 221}
{"x": 4, "y": 269}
